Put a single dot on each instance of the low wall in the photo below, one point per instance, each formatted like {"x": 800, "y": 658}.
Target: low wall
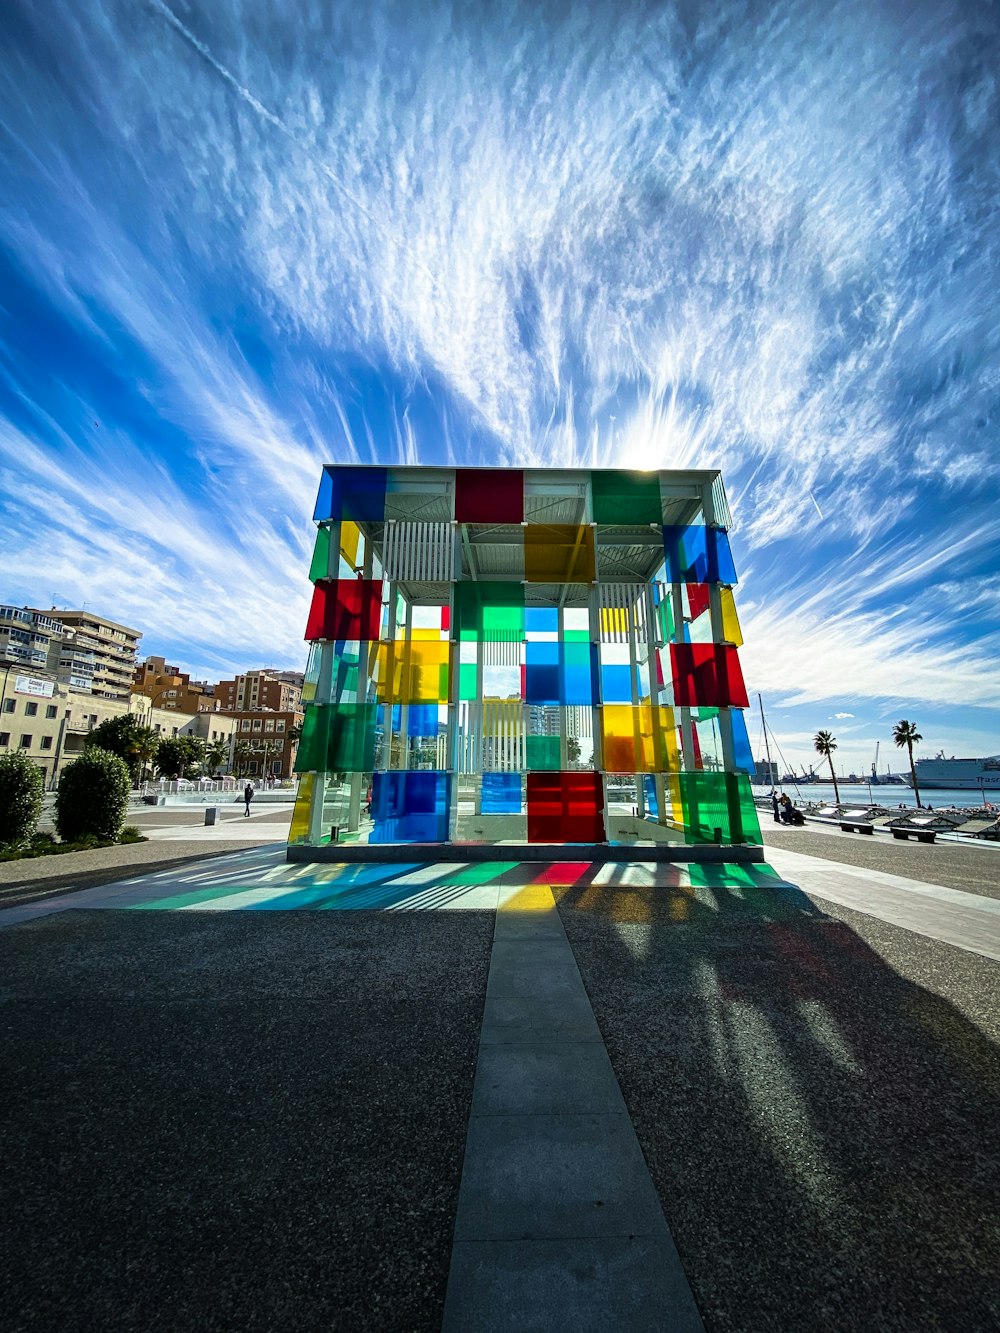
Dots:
{"x": 426, "y": 852}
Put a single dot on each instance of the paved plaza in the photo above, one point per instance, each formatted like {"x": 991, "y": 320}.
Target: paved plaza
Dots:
{"x": 248, "y": 1094}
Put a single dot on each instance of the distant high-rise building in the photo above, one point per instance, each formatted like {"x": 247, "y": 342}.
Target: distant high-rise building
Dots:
{"x": 278, "y": 692}
{"x": 169, "y": 687}
{"x": 110, "y": 646}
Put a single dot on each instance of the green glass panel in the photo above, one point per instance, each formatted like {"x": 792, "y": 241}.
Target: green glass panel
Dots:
{"x": 576, "y": 636}
{"x": 665, "y": 617}
{"x": 467, "y": 680}
{"x": 493, "y": 611}
{"x": 320, "y": 567}
{"x": 542, "y": 752}
{"x": 718, "y": 807}
{"x": 337, "y": 738}
{"x": 626, "y": 497}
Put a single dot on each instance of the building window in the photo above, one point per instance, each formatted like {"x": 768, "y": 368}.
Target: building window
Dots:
{"x": 4, "y": 737}
{"x": 25, "y": 742}
{"x": 8, "y": 705}
{"x": 269, "y": 724}
{"x": 256, "y": 724}
{"x": 50, "y": 710}
{"x": 280, "y": 725}
{"x": 30, "y": 710}
{"x": 46, "y": 743}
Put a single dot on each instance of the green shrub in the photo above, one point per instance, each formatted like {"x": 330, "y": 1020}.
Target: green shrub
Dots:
{"x": 20, "y": 799}
{"x": 131, "y": 833}
{"x": 92, "y": 798}
{"x": 41, "y": 842}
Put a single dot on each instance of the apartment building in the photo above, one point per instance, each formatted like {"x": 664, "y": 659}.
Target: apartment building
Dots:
{"x": 170, "y": 688}
{"x": 110, "y": 646}
{"x": 278, "y": 691}
{"x": 268, "y": 738}
{"x": 35, "y": 642}
{"x": 49, "y": 722}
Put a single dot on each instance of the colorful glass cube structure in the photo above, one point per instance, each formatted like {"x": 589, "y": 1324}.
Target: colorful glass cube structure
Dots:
{"x": 529, "y": 657}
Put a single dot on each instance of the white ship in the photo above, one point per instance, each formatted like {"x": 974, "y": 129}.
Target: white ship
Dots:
{"x": 964, "y": 774}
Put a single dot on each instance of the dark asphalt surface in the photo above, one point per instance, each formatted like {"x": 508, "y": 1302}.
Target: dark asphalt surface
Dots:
{"x": 974, "y": 869}
{"x": 817, "y": 1095}
{"x": 234, "y": 1121}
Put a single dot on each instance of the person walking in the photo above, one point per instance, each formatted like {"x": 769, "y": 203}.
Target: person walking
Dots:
{"x": 774, "y": 806}
{"x": 248, "y": 797}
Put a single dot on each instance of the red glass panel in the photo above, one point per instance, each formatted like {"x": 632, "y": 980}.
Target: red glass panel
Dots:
{"x": 707, "y": 674}
{"x": 565, "y": 807}
{"x": 697, "y": 599}
{"x": 345, "y": 609}
{"x": 489, "y": 495}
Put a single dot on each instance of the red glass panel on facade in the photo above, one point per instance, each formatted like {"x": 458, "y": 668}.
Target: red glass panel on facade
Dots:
{"x": 698, "y": 599}
{"x": 565, "y": 807}
{"x": 489, "y": 495}
{"x": 345, "y": 609}
{"x": 707, "y": 674}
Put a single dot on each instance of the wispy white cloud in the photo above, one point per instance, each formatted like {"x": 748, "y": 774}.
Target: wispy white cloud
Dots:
{"x": 760, "y": 241}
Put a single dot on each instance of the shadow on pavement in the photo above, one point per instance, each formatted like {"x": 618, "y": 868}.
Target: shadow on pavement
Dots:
{"x": 822, "y": 1130}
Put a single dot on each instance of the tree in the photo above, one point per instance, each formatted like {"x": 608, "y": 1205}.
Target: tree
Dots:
{"x": 241, "y": 758}
{"x": 216, "y": 754}
{"x": 906, "y": 733}
{"x": 825, "y": 744}
{"x": 572, "y": 750}
{"x": 93, "y": 796}
{"x": 126, "y": 737}
{"x": 20, "y": 799}
{"x": 178, "y": 754}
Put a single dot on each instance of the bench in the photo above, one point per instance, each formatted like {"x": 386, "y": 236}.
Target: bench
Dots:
{"x": 856, "y": 826}
{"x": 921, "y": 835}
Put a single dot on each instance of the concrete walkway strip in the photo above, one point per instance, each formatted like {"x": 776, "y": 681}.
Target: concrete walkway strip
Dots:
{"x": 558, "y": 1226}
{"x": 966, "y": 920}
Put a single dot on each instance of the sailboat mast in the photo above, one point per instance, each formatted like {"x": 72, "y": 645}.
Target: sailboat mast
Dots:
{"x": 767, "y": 748}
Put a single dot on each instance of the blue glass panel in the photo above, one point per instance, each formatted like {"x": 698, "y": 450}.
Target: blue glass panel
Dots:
{"x": 541, "y": 674}
{"x": 616, "y": 684}
{"x": 356, "y": 493}
{"x": 501, "y": 794}
{"x": 697, "y": 554}
{"x": 579, "y": 673}
{"x": 324, "y": 498}
{"x": 742, "y": 754}
{"x": 422, "y": 720}
{"x": 541, "y": 620}
{"x": 410, "y": 807}
{"x": 649, "y": 790}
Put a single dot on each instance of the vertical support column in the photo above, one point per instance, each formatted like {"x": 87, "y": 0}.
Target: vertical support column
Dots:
{"x": 715, "y": 613}
{"x": 358, "y": 779}
{"x": 633, "y": 662}
{"x": 321, "y": 779}
{"x": 659, "y": 749}
{"x": 563, "y": 708}
{"x": 453, "y": 738}
{"x": 404, "y": 703}
{"x": 477, "y": 722}
{"x": 687, "y": 736}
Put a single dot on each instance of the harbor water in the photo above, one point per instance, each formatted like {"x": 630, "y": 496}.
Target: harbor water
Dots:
{"x": 891, "y": 796}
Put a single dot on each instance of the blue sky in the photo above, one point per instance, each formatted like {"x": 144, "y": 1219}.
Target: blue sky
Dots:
{"x": 239, "y": 240}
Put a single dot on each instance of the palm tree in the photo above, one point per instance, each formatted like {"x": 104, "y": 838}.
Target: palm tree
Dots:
{"x": 825, "y": 744}
{"x": 217, "y": 754}
{"x": 242, "y": 754}
{"x": 906, "y": 733}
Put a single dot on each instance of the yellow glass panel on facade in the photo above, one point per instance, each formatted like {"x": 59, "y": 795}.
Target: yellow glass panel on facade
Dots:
{"x": 299, "y": 830}
{"x": 640, "y": 739}
{"x": 419, "y": 672}
{"x": 731, "y": 631}
{"x": 350, "y": 538}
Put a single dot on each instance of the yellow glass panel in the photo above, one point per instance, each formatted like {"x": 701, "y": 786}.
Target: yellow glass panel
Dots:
{"x": 639, "y": 739}
{"x": 299, "y": 830}
{"x": 350, "y": 537}
{"x": 559, "y": 553}
{"x": 614, "y": 620}
{"x": 426, "y": 635}
{"x": 420, "y": 672}
{"x": 730, "y": 621}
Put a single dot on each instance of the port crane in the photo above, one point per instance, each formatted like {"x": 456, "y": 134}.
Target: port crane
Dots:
{"x": 875, "y": 765}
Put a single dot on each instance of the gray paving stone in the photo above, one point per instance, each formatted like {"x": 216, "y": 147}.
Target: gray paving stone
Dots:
{"x": 545, "y": 1078}
{"x": 568, "y": 1286}
{"x": 514, "y": 926}
{"x": 515, "y": 1019}
{"x": 517, "y": 971}
{"x": 555, "y": 1176}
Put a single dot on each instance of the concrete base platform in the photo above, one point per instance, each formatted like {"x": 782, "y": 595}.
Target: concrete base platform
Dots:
{"x": 599, "y": 852}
